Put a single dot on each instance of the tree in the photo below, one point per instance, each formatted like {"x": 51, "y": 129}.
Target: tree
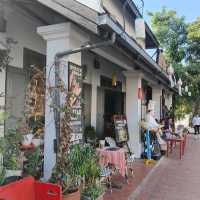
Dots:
{"x": 193, "y": 54}
{"x": 171, "y": 31}
{"x": 193, "y": 63}
{"x": 181, "y": 43}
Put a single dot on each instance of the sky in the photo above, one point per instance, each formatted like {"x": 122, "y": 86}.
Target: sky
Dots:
{"x": 188, "y": 8}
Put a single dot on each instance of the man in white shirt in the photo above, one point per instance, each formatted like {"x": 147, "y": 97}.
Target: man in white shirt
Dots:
{"x": 196, "y": 124}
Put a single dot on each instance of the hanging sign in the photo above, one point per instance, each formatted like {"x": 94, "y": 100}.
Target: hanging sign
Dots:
{"x": 121, "y": 128}
{"x": 75, "y": 87}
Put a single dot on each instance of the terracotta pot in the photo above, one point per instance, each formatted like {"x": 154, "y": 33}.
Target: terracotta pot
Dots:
{"x": 73, "y": 196}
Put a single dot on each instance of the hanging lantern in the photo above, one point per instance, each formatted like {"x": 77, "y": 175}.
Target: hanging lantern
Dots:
{"x": 189, "y": 94}
{"x": 170, "y": 70}
{"x": 114, "y": 80}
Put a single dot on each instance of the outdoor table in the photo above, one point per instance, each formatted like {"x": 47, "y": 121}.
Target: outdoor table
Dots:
{"x": 172, "y": 141}
{"x": 114, "y": 157}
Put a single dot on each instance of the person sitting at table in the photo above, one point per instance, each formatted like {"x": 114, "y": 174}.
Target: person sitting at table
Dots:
{"x": 152, "y": 125}
{"x": 168, "y": 129}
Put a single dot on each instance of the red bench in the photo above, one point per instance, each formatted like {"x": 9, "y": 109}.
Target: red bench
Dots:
{"x": 30, "y": 189}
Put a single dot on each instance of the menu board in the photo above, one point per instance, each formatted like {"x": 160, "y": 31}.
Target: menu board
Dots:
{"x": 75, "y": 87}
{"x": 121, "y": 129}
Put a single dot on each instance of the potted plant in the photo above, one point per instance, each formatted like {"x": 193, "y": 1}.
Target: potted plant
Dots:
{"x": 33, "y": 163}
{"x": 90, "y": 134}
{"x": 84, "y": 164}
{"x": 61, "y": 173}
{"x": 10, "y": 149}
{"x": 93, "y": 192}
{"x": 36, "y": 123}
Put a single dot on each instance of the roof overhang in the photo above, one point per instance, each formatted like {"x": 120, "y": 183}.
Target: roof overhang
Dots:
{"x": 71, "y": 9}
{"x": 148, "y": 64}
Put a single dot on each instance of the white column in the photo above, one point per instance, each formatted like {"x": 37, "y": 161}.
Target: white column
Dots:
{"x": 59, "y": 37}
{"x": 2, "y": 105}
{"x": 133, "y": 111}
{"x": 156, "y": 95}
{"x": 2, "y": 99}
{"x": 94, "y": 99}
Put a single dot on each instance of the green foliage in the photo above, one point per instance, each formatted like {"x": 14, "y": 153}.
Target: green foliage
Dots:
{"x": 3, "y": 116}
{"x": 81, "y": 165}
{"x": 90, "y": 135}
{"x": 83, "y": 162}
{"x": 2, "y": 175}
{"x": 33, "y": 165}
{"x": 171, "y": 31}
{"x": 93, "y": 192}
{"x": 181, "y": 43}
{"x": 194, "y": 41}
{"x": 10, "y": 148}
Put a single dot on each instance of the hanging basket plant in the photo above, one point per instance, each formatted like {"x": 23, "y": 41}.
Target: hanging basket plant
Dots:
{"x": 5, "y": 57}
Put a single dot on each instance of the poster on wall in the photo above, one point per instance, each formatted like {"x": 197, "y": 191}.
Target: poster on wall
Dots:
{"x": 121, "y": 129}
{"x": 75, "y": 87}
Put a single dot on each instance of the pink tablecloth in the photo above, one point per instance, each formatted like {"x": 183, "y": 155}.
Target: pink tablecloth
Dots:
{"x": 117, "y": 158}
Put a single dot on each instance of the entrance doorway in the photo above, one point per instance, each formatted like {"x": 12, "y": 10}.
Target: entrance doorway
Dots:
{"x": 113, "y": 105}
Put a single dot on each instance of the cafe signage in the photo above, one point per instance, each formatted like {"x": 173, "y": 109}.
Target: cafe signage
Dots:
{"x": 75, "y": 87}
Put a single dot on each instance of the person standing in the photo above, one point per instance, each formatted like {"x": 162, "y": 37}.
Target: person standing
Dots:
{"x": 196, "y": 124}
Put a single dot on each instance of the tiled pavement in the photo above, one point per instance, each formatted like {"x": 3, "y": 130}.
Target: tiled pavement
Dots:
{"x": 172, "y": 179}
{"x": 140, "y": 171}
{"x": 175, "y": 179}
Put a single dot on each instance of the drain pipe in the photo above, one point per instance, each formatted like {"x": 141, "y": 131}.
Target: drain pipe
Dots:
{"x": 60, "y": 55}
{"x": 87, "y": 47}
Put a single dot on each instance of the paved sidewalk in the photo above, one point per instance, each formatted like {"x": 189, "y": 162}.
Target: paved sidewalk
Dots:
{"x": 175, "y": 179}
{"x": 140, "y": 171}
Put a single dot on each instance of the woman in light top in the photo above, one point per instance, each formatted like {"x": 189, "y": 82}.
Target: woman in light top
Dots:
{"x": 153, "y": 125}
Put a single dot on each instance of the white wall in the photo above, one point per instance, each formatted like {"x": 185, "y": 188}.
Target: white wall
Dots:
{"x": 106, "y": 69}
{"x": 22, "y": 29}
{"x": 2, "y": 99}
{"x": 94, "y": 4}
{"x": 156, "y": 95}
{"x": 115, "y": 9}
{"x": 133, "y": 111}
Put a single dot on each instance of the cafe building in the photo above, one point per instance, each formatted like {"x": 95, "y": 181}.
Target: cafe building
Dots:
{"x": 109, "y": 40}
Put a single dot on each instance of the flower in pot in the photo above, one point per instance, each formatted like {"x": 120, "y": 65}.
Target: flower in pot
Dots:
{"x": 10, "y": 149}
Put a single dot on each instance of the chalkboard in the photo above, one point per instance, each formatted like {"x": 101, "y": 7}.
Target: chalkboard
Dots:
{"x": 121, "y": 129}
